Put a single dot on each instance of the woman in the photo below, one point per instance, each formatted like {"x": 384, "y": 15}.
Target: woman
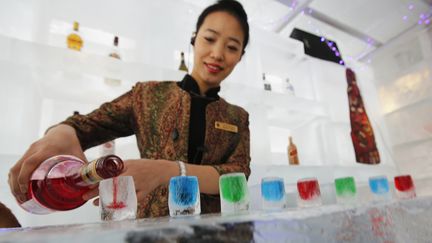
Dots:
{"x": 173, "y": 122}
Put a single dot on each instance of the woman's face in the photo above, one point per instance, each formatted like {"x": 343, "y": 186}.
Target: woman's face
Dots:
{"x": 218, "y": 49}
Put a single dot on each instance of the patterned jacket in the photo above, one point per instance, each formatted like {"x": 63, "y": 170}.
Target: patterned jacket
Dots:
{"x": 151, "y": 111}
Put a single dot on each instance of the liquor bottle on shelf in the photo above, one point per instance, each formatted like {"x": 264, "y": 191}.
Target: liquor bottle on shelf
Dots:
{"x": 289, "y": 87}
{"x": 183, "y": 66}
{"x": 292, "y": 153}
{"x": 267, "y": 85}
{"x": 114, "y": 54}
{"x": 74, "y": 40}
{"x": 60, "y": 181}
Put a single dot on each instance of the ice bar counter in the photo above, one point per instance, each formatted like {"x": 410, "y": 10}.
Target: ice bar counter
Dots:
{"x": 389, "y": 219}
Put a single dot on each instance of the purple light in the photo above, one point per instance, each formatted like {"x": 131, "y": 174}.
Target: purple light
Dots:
{"x": 422, "y": 16}
{"x": 410, "y": 7}
{"x": 341, "y": 62}
{"x": 405, "y": 18}
{"x": 322, "y": 39}
{"x": 420, "y": 22}
{"x": 334, "y": 49}
{"x": 427, "y": 21}
{"x": 337, "y": 54}
{"x": 330, "y": 43}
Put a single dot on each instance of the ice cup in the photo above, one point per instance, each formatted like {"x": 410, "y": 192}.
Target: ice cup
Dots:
{"x": 379, "y": 187}
{"x": 184, "y": 196}
{"x": 117, "y": 198}
{"x": 346, "y": 192}
{"x": 405, "y": 188}
{"x": 273, "y": 193}
{"x": 234, "y": 193}
{"x": 309, "y": 194}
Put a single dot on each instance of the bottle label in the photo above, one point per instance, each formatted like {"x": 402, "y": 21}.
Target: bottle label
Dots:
{"x": 89, "y": 173}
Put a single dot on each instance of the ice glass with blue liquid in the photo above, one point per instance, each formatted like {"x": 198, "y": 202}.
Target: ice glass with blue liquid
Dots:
{"x": 273, "y": 193}
{"x": 184, "y": 196}
{"x": 380, "y": 188}
{"x": 234, "y": 193}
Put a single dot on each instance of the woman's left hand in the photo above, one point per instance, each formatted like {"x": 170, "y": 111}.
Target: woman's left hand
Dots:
{"x": 147, "y": 174}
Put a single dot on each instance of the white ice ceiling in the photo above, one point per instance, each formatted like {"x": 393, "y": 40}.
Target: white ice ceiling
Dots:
{"x": 358, "y": 26}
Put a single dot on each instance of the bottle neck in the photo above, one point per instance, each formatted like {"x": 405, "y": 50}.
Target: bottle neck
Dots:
{"x": 99, "y": 169}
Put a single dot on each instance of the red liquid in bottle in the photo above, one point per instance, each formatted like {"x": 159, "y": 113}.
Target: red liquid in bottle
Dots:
{"x": 57, "y": 194}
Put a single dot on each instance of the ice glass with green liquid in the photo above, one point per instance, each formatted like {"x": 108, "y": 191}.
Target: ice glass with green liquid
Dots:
{"x": 234, "y": 193}
{"x": 346, "y": 191}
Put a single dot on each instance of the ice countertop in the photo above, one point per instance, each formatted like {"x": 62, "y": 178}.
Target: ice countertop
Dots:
{"x": 385, "y": 221}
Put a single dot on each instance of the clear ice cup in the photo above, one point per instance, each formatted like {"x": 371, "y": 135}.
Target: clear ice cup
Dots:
{"x": 404, "y": 186}
{"x": 234, "y": 193}
{"x": 117, "y": 198}
{"x": 273, "y": 193}
{"x": 380, "y": 188}
{"x": 346, "y": 192}
{"x": 184, "y": 196}
{"x": 309, "y": 194}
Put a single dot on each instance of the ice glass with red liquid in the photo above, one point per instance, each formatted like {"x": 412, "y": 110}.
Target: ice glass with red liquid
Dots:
{"x": 309, "y": 194}
{"x": 118, "y": 198}
{"x": 404, "y": 186}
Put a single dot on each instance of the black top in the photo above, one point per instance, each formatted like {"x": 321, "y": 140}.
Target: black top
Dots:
{"x": 197, "y": 122}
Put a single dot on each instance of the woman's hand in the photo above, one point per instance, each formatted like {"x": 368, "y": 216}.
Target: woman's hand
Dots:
{"x": 60, "y": 139}
{"x": 147, "y": 174}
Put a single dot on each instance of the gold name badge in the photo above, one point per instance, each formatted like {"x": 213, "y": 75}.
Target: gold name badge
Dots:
{"x": 226, "y": 127}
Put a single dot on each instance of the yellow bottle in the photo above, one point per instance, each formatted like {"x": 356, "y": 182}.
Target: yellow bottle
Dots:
{"x": 292, "y": 153}
{"x": 74, "y": 41}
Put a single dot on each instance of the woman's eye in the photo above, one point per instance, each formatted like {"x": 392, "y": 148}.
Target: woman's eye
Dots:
{"x": 209, "y": 39}
{"x": 233, "y": 48}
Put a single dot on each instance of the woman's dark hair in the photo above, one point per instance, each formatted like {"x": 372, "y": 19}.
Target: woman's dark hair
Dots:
{"x": 232, "y": 7}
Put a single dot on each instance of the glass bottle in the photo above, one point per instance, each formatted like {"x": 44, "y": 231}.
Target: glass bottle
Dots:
{"x": 74, "y": 40}
{"x": 289, "y": 87}
{"x": 183, "y": 66}
{"x": 267, "y": 85}
{"x": 114, "y": 54}
{"x": 292, "y": 153}
{"x": 60, "y": 181}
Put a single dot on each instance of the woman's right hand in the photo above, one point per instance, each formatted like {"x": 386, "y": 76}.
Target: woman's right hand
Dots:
{"x": 60, "y": 139}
